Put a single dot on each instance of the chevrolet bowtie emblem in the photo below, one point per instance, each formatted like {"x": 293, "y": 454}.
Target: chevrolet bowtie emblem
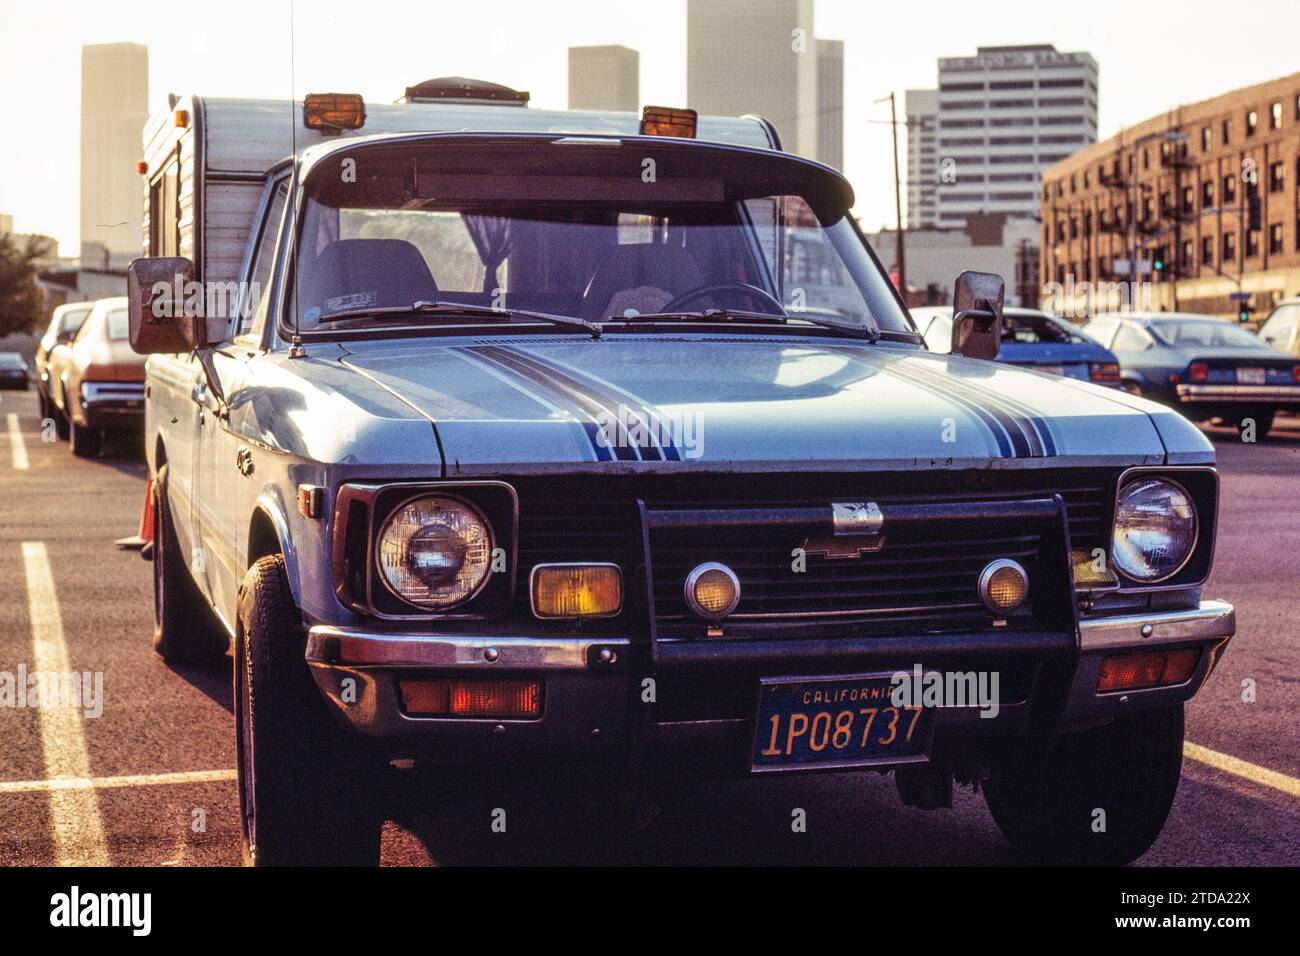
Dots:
{"x": 857, "y": 527}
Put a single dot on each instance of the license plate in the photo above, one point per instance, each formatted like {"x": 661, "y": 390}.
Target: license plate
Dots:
{"x": 809, "y": 722}
{"x": 1250, "y": 376}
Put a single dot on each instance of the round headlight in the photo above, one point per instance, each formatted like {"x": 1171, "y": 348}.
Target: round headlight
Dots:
{"x": 1155, "y": 530}
{"x": 435, "y": 551}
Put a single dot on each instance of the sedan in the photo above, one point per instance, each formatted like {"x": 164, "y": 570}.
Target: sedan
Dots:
{"x": 97, "y": 380}
{"x": 13, "y": 371}
{"x": 63, "y": 327}
{"x": 1205, "y": 367}
{"x": 1281, "y": 330}
{"x": 1030, "y": 339}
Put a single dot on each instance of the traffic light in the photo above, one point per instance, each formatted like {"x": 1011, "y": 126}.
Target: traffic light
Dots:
{"x": 1243, "y": 314}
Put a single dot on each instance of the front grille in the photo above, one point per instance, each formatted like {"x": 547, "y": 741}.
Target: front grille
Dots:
{"x": 918, "y": 573}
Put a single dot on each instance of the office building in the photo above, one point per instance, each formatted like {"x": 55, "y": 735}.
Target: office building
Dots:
{"x": 604, "y": 78}
{"x": 114, "y": 107}
{"x": 922, "y": 110}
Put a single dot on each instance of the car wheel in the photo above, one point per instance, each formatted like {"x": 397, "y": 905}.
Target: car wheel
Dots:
{"x": 185, "y": 630}
{"x": 1262, "y": 417}
{"x": 305, "y": 787}
{"x": 85, "y": 441}
{"x": 1101, "y": 797}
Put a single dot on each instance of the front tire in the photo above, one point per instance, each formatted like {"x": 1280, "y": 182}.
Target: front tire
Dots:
{"x": 185, "y": 630}
{"x": 85, "y": 441}
{"x": 305, "y": 787}
{"x": 1102, "y": 796}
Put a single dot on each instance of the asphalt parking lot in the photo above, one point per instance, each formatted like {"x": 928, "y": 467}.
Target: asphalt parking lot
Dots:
{"x": 151, "y": 781}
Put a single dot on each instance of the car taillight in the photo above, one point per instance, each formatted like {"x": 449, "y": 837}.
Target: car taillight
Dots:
{"x": 1199, "y": 372}
{"x": 1295, "y": 373}
{"x": 1103, "y": 372}
{"x": 1135, "y": 671}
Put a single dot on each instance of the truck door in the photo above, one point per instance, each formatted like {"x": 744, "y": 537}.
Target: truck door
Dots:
{"x": 225, "y": 471}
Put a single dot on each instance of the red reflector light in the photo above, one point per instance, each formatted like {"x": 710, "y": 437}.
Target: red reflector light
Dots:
{"x": 1199, "y": 371}
{"x": 142, "y": 167}
{"x": 519, "y": 699}
{"x": 1295, "y": 373}
{"x": 1103, "y": 371}
{"x": 1134, "y": 671}
{"x": 665, "y": 121}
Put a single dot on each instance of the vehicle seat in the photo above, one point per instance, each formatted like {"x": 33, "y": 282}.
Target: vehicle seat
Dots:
{"x": 642, "y": 276}
{"x": 360, "y": 273}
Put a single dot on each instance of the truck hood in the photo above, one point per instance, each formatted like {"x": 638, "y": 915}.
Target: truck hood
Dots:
{"x": 652, "y": 401}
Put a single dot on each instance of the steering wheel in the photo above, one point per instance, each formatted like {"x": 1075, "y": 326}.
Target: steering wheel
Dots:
{"x": 678, "y": 302}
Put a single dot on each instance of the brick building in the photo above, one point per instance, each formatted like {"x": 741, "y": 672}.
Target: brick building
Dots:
{"x": 1214, "y": 185}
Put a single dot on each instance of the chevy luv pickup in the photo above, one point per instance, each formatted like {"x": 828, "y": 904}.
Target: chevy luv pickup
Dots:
{"x": 534, "y": 440}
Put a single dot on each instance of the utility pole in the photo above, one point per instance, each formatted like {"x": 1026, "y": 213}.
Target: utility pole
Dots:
{"x": 898, "y": 200}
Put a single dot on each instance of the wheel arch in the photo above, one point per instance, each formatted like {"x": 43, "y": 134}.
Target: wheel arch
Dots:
{"x": 268, "y": 533}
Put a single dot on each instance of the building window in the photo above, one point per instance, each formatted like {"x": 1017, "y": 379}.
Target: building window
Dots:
{"x": 1229, "y": 246}
{"x": 1275, "y": 238}
{"x": 1252, "y": 120}
{"x": 1074, "y": 227}
{"x": 1207, "y": 139}
{"x": 1185, "y": 258}
{"x": 1229, "y": 189}
{"x": 1189, "y": 199}
{"x": 1276, "y": 177}
{"x": 1207, "y": 251}
{"x": 1146, "y": 158}
{"x": 1207, "y": 195}
{"x": 1227, "y": 132}
{"x": 1275, "y": 115}
{"x": 1087, "y": 180}
{"x": 1252, "y": 242}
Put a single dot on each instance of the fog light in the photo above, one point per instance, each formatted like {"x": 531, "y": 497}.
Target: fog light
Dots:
{"x": 1134, "y": 671}
{"x": 1003, "y": 586}
{"x": 576, "y": 590}
{"x": 712, "y": 591}
{"x": 520, "y": 699}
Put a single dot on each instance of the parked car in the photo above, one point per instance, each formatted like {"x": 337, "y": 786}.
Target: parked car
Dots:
{"x": 63, "y": 326}
{"x": 1205, "y": 367}
{"x": 1281, "y": 330}
{"x": 513, "y": 456}
{"x": 14, "y": 372}
{"x": 1031, "y": 339}
{"x": 97, "y": 380}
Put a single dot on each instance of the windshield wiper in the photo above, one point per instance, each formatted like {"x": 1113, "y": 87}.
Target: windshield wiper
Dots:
{"x": 424, "y": 307}
{"x": 868, "y": 333}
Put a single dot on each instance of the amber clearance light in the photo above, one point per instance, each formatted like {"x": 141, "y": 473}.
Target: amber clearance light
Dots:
{"x": 333, "y": 111}
{"x": 472, "y": 697}
{"x": 666, "y": 121}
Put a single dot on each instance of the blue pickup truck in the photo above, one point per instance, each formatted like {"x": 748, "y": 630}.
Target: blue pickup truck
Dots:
{"x": 503, "y": 439}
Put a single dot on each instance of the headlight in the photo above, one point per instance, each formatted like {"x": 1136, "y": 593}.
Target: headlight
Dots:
{"x": 435, "y": 551}
{"x": 1155, "y": 530}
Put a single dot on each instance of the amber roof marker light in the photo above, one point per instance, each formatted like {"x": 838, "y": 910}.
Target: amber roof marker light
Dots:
{"x": 333, "y": 112}
{"x": 666, "y": 121}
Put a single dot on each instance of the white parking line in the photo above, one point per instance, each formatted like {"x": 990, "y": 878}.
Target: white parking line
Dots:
{"x": 74, "y": 814}
{"x": 109, "y": 783}
{"x": 16, "y": 443}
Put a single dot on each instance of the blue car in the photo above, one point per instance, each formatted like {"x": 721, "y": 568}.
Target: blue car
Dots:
{"x": 1031, "y": 339}
{"x": 1205, "y": 367}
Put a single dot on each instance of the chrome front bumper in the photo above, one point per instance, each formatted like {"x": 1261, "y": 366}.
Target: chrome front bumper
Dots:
{"x": 1214, "y": 394}
{"x": 356, "y": 668}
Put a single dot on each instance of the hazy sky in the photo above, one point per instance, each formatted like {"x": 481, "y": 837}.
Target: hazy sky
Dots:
{"x": 1152, "y": 57}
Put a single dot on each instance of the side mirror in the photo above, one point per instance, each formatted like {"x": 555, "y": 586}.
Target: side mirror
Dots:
{"x": 977, "y": 315}
{"x": 165, "y": 311}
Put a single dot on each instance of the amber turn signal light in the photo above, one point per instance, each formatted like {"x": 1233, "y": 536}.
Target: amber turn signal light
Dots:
{"x": 1135, "y": 671}
{"x": 471, "y": 697}
{"x": 576, "y": 590}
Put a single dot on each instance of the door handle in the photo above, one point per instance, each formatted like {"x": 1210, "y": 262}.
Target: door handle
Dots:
{"x": 244, "y": 460}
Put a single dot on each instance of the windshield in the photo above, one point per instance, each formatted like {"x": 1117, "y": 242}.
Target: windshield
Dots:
{"x": 1208, "y": 332}
{"x": 119, "y": 325}
{"x": 594, "y": 232}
